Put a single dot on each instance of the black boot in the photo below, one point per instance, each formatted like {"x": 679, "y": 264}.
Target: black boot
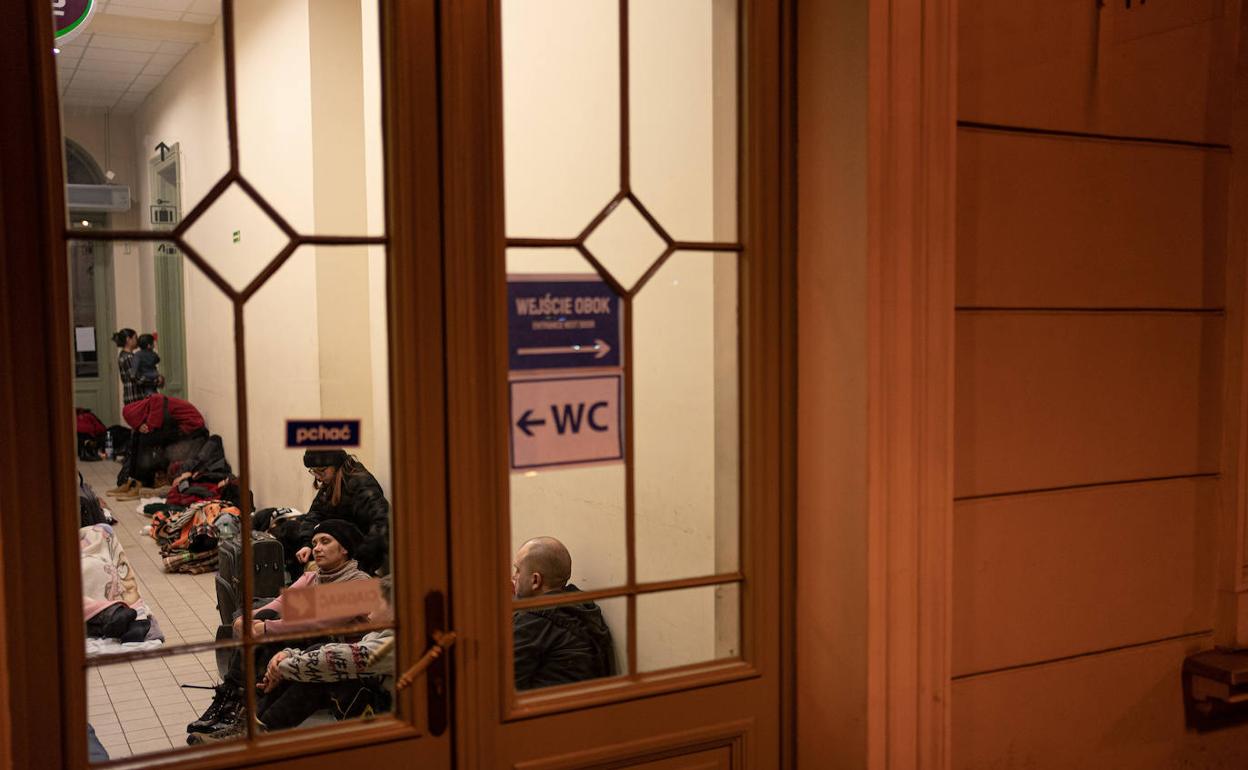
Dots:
{"x": 225, "y": 707}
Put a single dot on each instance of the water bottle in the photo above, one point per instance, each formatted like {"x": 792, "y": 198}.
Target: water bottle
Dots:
{"x": 108, "y": 445}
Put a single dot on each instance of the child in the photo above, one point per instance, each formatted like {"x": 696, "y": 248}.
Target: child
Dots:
{"x": 145, "y": 372}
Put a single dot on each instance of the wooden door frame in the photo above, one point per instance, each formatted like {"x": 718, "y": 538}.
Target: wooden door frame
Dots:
{"x": 32, "y": 296}
{"x": 877, "y": 113}
{"x": 910, "y": 256}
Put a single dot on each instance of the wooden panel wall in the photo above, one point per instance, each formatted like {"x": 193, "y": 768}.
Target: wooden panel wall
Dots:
{"x": 1091, "y": 292}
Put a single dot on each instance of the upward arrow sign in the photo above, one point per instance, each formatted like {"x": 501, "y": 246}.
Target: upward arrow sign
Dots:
{"x": 164, "y": 148}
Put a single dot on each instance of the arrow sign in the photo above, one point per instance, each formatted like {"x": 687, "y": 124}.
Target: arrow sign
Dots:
{"x": 566, "y": 421}
{"x": 526, "y": 422}
{"x": 562, "y": 322}
{"x": 164, "y": 148}
{"x": 599, "y": 350}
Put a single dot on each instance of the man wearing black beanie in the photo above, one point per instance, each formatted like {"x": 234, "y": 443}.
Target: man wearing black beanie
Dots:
{"x": 346, "y": 490}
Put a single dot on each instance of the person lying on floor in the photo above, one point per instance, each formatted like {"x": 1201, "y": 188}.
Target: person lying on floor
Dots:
{"x": 333, "y": 544}
{"x": 349, "y": 679}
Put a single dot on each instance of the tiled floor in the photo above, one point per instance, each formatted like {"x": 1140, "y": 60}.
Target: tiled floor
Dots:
{"x": 141, "y": 707}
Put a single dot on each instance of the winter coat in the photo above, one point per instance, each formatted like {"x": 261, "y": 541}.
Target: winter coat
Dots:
{"x": 151, "y": 411}
{"x": 363, "y": 504}
{"x": 559, "y": 645}
{"x": 145, "y": 372}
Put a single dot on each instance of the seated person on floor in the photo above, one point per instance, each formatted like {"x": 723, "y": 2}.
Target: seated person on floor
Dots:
{"x": 346, "y": 490}
{"x": 333, "y": 544}
{"x": 166, "y": 430}
{"x": 205, "y": 475}
{"x": 555, "y": 645}
{"x": 349, "y": 679}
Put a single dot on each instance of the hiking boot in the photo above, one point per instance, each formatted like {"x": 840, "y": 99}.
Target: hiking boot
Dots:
{"x": 226, "y": 705}
{"x": 236, "y": 730}
{"x": 127, "y": 488}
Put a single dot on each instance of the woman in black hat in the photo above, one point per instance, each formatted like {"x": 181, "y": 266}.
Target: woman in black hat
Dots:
{"x": 346, "y": 490}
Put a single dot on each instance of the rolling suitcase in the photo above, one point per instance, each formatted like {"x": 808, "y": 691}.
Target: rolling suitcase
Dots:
{"x": 269, "y": 561}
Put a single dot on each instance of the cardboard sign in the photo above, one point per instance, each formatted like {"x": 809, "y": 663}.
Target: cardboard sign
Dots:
{"x": 332, "y": 601}
{"x": 562, "y": 322}
{"x": 313, "y": 434}
{"x": 563, "y": 421}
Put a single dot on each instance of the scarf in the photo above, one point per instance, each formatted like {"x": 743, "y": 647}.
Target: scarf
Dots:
{"x": 348, "y": 567}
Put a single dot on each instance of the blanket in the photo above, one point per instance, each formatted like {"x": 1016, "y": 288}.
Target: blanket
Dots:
{"x": 107, "y": 577}
{"x": 188, "y": 538}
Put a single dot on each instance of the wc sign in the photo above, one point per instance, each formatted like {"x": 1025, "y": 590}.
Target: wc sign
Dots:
{"x": 565, "y": 421}
{"x": 308, "y": 434}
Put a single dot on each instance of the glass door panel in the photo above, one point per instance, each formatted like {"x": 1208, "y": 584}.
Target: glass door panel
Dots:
{"x": 242, "y": 541}
{"x": 620, "y": 176}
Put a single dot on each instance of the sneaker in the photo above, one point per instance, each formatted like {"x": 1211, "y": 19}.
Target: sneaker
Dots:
{"x": 236, "y": 730}
{"x": 225, "y": 704}
{"x": 127, "y": 488}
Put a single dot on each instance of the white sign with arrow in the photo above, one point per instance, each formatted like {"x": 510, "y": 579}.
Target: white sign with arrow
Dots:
{"x": 599, "y": 350}
{"x": 562, "y": 421}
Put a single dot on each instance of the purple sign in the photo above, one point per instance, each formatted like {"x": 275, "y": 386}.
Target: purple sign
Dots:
{"x": 562, "y": 322}
{"x": 70, "y": 16}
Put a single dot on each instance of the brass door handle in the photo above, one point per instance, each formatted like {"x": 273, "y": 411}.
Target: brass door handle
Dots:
{"x": 442, "y": 641}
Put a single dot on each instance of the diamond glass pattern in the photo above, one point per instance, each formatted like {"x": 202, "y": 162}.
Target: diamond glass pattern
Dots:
{"x": 235, "y": 237}
{"x": 625, "y": 244}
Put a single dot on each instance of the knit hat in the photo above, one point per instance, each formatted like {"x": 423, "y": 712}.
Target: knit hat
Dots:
{"x": 347, "y": 534}
{"x": 324, "y": 458}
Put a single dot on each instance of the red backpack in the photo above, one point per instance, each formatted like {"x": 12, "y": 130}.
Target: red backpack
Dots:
{"x": 89, "y": 424}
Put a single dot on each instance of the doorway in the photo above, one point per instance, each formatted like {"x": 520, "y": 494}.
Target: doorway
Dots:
{"x": 709, "y": 693}
{"x": 164, "y": 184}
{"x": 91, "y": 289}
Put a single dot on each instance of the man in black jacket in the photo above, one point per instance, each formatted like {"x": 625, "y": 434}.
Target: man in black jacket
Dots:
{"x": 555, "y": 645}
{"x": 346, "y": 490}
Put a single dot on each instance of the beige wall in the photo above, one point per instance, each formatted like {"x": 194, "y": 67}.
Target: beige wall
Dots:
{"x": 1090, "y": 325}
{"x": 307, "y": 95}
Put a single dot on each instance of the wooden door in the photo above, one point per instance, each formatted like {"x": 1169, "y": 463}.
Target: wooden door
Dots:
{"x": 258, "y": 353}
{"x": 627, "y": 151}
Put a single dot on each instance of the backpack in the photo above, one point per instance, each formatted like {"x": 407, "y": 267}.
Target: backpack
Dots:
{"x": 90, "y": 512}
{"x": 88, "y": 423}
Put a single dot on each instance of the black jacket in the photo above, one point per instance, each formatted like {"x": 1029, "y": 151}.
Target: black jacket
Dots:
{"x": 558, "y": 645}
{"x": 363, "y": 504}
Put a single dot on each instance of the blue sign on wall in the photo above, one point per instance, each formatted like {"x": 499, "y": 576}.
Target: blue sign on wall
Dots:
{"x": 563, "y": 322}
{"x": 304, "y": 434}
